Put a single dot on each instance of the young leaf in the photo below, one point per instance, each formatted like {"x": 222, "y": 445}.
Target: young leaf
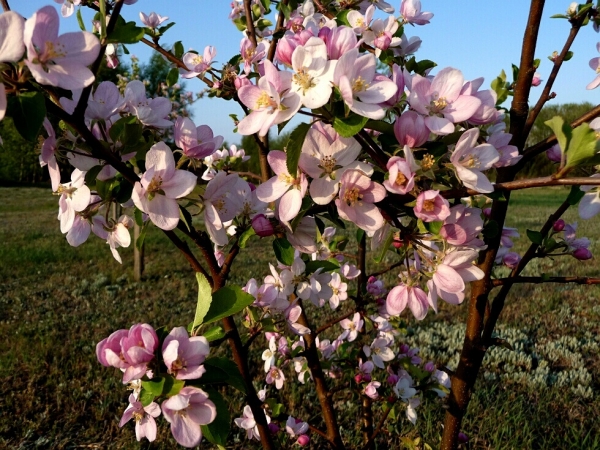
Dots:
{"x": 28, "y": 111}
{"x": 284, "y": 252}
{"x": 583, "y": 146}
{"x": 562, "y": 131}
{"x": 223, "y": 370}
{"x": 218, "y": 430}
{"x": 172, "y": 76}
{"x": 178, "y": 49}
{"x": 349, "y": 126}
{"x": 214, "y": 333}
{"x": 204, "y": 299}
{"x": 535, "y": 237}
{"x": 125, "y": 32}
{"x": 154, "y": 386}
{"x": 227, "y": 301}
{"x": 294, "y": 147}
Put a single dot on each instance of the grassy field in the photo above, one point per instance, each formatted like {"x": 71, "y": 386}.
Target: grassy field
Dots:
{"x": 56, "y": 302}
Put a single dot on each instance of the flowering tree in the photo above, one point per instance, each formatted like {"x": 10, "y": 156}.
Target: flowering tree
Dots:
{"x": 404, "y": 155}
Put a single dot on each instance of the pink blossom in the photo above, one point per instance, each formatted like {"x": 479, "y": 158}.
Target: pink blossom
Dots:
{"x": 285, "y": 48}
{"x": 58, "y": 60}
{"x": 303, "y": 440}
{"x": 11, "y": 47}
{"x": 401, "y": 178}
{"x": 589, "y": 205}
{"x": 119, "y": 236}
{"x": 554, "y": 153}
{"x": 511, "y": 260}
{"x": 381, "y": 34}
{"x": 47, "y": 156}
{"x": 582, "y": 254}
{"x": 197, "y": 64}
{"x": 356, "y": 201}
{"x": 379, "y": 352}
{"x": 462, "y": 226}
{"x": 152, "y": 20}
{"x": 74, "y": 197}
{"x": 275, "y": 375}
{"x": 186, "y": 411}
{"x": 326, "y": 162}
{"x": 558, "y": 226}
{"x": 351, "y": 327}
{"x": 500, "y": 140}
{"x": 470, "y": 160}
{"x": 595, "y": 66}
{"x": 304, "y": 236}
{"x": 410, "y": 129}
{"x": 272, "y": 101}
{"x": 313, "y": 73}
{"x": 339, "y": 290}
{"x": 338, "y": 40}
{"x": 160, "y": 186}
{"x": 358, "y": 22}
{"x": 248, "y": 423}
{"x": 537, "y": 80}
{"x": 379, "y": 4}
{"x": 354, "y": 76}
{"x": 402, "y": 296}
{"x": 150, "y": 111}
{"x": 196, "y": 142}
{"x": 448, "y": 281}
{"x": 251, "y": 54}
{"x": 371, "y": 390}
{"x": 145, "y": 425}
{"x": 222, "y": 202}
{"x": 295, "y": 427}
{"x": 289, "y": 188}
{"x": 67, "y": 9}
{"x": 112, "y": 60}
{"x": 411, "y": 12}
{"x": 262, "y": 226}
{"x": 184, "y": 355}
{"x": 487, "y": 112}
{"x": 104, "y": 102}
{"x": 440, "y": 100}
{"x": 431, "y": 206}
{"x": 349, "y": 271}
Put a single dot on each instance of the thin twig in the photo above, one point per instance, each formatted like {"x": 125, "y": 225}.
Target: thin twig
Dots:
{"x": 332, "y": 322}
{"x": 5, "y": 5}
{"x": 379, "y": 425}
{"x": 278, "y": 27}
{"x": 539, "y": 280}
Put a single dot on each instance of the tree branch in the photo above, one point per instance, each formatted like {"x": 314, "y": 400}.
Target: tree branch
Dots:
{"x": 5, "y": 5}
{"x": 379, "y": 425}
{"x": 540, "y": 280}
{"x": 278, "y": 26}
{"x": 545, "y": 96}
{"x": 250, "y": 31}
{"x": 332, "y": 322}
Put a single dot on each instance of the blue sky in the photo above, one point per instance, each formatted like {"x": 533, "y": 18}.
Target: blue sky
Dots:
{"x": 479, "y": 37}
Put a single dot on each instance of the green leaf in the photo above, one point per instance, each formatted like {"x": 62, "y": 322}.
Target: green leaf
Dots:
{"x": 140, "y": 240}
{"x": 360, "y": 233}
{"x": 575, "y": 195}
{"x": 154, "y": 386}
{"x": 582, "y": 146}
{"x": 178, "y": 49}
{"x": 80, "y": 20}
{"x": 214, "y": 333}
{"x": 117, "y": 130}
{"x": 146, "y": 397}
{"x": 137, "y": 215}
{"x": 245, "y": 236}
{"x": 164, "y": 28}
{"x": 349, "y": 126}
{"x": 284, "y": 252}
{"x": 568, "y": 56}
{"x": 378, "y": 258}
{"x": 185, "y": 217}
{"x": 559, "y": 16}
{"x": 204, "y": 299}
{"x": 172, "y": 386}
{"x": 125, "y": 32}
{"x": 261, "y": 24}
{"x": 172, "y": 76}
{"x": 561, "y": 130}
{"x": 294, "y": 147}
{"x": 434, "y": 227}
{"x": 90, "y": 175}
{"x": 383, "y": 127}
{"x": 276, "y": 408}
{"x": 535, "y": 236}
{"x": 218, "y": 430}
{"x": 28, "y": 111}
{"x": 227, "y": 301}
{"x": 222, "y": 370}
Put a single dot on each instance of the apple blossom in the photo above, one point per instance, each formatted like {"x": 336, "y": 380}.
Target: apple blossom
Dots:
{"x": 402, "y": 296}
{"x": 248, "y": 423}
{"x": 431, "y": 206}
{"x": 150, "y": 111}
{"x": 589, "y": 205}
{"x": 197, "y": 64}
{"x": 469, "y": 160}
{"x": 184, "y": 355}
{"x": 196, "y": 142}
{"x": 410, "y": 10}
{"x": 152, "y": 20}
{"x": 160, "y": 186}
{"x": 356, "y": 200}
{"x": 186, "y": 411}
{"x": 58, "y": 60}
{"x": 351, "y": 327}
{"x": 313, "y": 73}
{"x": 145, "y": 425}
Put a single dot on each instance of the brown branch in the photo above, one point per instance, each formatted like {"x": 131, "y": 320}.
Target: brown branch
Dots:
{"x": 312, "y": 358}
{"x": 540, "y": 280}
{"x": 381, "y": 272}
{"x": 187, "y": 253}
{"x": 472, "y": 353}
{"x": 95, "y": 67}
{"x": 316, "y": 430}
{"x": 204, "y": 243}
{"x": 250, "y": 31}
{"x": 493, "y": 314}
{"x": 379, "y": 425}
{"x": 546, "y": 95}
{"x": 278, "y": 27}
{"x": 5, "y": 5}
{"x": 372, "y": 149}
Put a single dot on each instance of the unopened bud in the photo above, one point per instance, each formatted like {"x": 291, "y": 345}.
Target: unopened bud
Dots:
{"x": 262, "y": 226}
{"x": 559, "y": 225}
{"x": 303, "y": 440}
{"x": 463, "y": 438}
{"x": 582, "y": 254}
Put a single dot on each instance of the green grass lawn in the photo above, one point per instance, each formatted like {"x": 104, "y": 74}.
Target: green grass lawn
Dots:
{"x": 56, "y": 302}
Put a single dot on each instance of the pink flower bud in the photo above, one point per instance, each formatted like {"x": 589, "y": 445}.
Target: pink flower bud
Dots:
{"x": 273, "y": 428}
{"x": 403, "y": 349}
{"x": 392, "y": 380}
{"x": 554, "y": 154}
{"x": 366, "y": 378}
{"x": 240, "y": 82}
{"x": 559, "y": 225}
{"x": 536, "y": 79}
{"x": 303, "y": 440}
{"x": 358, "y": 378}
{"x": 582, "y": 254}
{"x": 463, "y": 438}
{"x": 429, "y": 367}
{"x": 262, "y": 226}
{"x": 511, "y": 260}
{"x": 487, "y": 212}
